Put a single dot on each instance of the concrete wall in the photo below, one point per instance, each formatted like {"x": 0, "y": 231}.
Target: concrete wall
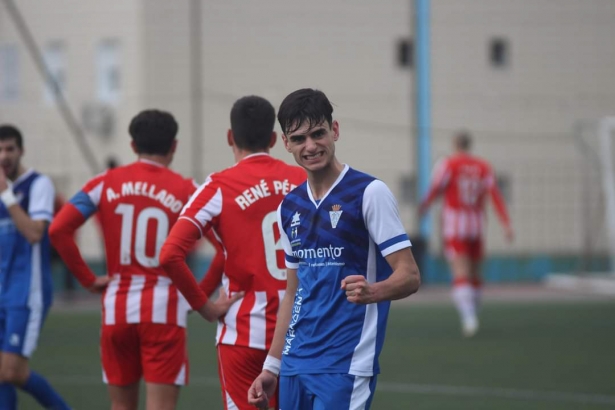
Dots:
{"x": 522, "y": 116}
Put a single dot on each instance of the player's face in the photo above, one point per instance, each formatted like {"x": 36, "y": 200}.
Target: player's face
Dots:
{"x": 10, "y": 155}
{"x": 313, "y": 148}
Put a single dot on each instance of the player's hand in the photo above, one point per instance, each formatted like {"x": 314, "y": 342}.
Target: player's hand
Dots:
{"x": 358, "y": 290}
{"x": 262, "y": 389}
{"x": 213, "y": 311}
{"x": 100, "y": 284}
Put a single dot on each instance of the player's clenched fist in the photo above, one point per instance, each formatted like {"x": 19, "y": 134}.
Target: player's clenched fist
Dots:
{"x": 358, "y": 290}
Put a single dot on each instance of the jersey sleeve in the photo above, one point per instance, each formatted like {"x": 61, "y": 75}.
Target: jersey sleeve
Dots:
{"x": 291, "y": 261}
{"x": 180, "y": 241}
{"x": 213, "y": 277}
{"x": 382, "y": 219}
{"x": 87, "y": 200}
{"x": 42, "y": 197}
{"x": 204, "y": 205}
{"x": 439, "y": 181}
{"x": 62, "y": 235}
{"x": 497, "y": 198}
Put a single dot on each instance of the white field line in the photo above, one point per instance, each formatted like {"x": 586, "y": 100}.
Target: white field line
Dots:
{"x": 414, "y": 388}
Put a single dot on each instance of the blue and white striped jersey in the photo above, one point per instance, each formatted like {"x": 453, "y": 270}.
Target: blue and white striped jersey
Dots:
{"x": 348, "y": 232}
{"x": 25, "y": 269}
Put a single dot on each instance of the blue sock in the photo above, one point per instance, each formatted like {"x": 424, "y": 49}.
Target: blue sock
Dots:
{"x": 8, "y": 396}
{"x": 39, "y": 388}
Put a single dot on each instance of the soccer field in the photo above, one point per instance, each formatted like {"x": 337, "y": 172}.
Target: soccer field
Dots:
{"x": 531, "y": 355}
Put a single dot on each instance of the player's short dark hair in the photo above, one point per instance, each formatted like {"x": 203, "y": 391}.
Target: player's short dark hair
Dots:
{"x": 153, "y": 132}
{"x": 463, "y": 140}
{"x": 304, "y": 106}
{"x": 252, "y": 121}
{"x": 8, "y": 132}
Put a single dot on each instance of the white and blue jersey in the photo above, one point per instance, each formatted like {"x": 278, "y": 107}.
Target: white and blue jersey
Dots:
{"x": 349, "y": 231}
{"x": 25, "y": 269}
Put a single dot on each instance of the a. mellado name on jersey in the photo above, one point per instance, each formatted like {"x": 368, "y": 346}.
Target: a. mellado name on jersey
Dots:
{"x": 324, "y": 256}
{"x": 167, "y": 199}
{"x": 262, "y": 190}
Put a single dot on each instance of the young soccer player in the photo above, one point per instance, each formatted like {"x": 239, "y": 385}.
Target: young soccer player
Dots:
{"x": 239, "y": 205}
{"x": 465, "y": 181}
{"x": 144, "y": 316}
{"x": 26, "y": 208}
{"x": 347, "y": 255}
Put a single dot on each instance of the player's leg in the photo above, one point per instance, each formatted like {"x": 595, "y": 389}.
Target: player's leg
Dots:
{"x": 119, "y": 350}
{"x": 161, "y": 396}
{"x": 340, "y": 391}
{"x": 124, "y": 397}
{"x": 164, "y": 358}
{"x": 476, "y": 280}
{"x": 23, "y": 326}
{"x": 459, "y": 260}
{"x": 8, "y": 394}
{"x": 238, "y": 366}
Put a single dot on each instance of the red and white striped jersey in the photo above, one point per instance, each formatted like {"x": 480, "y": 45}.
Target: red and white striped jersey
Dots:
{"x": 240, "y": 205}
{"x": 137, "y": 204}
{"x": 465, "y": 181}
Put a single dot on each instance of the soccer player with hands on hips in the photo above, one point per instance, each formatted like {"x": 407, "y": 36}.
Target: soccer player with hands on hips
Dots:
{"x": 239, "y": 205}
{"x": 26, "y": 209}
{"x": 347, "y": 256}
{"x": 465, "y": 181}
{"x": 144, "y": 316}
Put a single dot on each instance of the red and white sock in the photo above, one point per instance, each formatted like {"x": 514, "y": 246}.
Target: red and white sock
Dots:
{"x": 463, "y": 296}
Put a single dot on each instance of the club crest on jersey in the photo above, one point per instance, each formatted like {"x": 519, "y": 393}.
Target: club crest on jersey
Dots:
{"x": 335, "y": 215}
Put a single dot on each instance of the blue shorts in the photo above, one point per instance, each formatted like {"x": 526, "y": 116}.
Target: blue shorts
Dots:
{"x": 20, "y": 328}
{"x": 326, "y": 392}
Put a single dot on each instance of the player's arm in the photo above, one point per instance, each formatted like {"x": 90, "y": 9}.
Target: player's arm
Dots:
{"x": 381, "y": 216}
{"x": 439, "y": 182}
{"x": 181, "y": 239}
{"x": 33, "y": 223}
{"x": 264, "y": 385}
{"x": 213, "y": 277}
{"x": 62, "y": 234}
{"x": 500, "y": 206}
{"x": 403, "y": 282}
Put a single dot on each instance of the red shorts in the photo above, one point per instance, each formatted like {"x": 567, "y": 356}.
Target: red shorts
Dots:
{"x": 238, "y": 366}
{"x": 156, "y": 352}
{"x": 471, "y": 248}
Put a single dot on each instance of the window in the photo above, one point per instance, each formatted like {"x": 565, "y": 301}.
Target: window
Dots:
{"x": 9, "y": 72}
{"x": 108, "y": 76}
{"x": 499, "y": 52}
{"x": 405, "y": 53}
{"x": 54, "y": 56}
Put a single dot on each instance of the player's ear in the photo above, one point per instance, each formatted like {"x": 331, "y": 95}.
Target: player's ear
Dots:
{"x": 230, "y": 139}
{"x": 173, "y": 147}
{"x": 335, "y": 126}
{"x": 274, "y": 138}
{"x": 285, "y": 140}
{"x": 134, "y": 147}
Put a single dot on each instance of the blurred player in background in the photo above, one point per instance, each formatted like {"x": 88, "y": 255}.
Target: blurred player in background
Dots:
{"x": 26, "y": 209}
{"x": 239, "y": 205}
{"x": 348, "y": 256}
{"x": 465, "y": 181}
{"x": 144, "y": 315}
